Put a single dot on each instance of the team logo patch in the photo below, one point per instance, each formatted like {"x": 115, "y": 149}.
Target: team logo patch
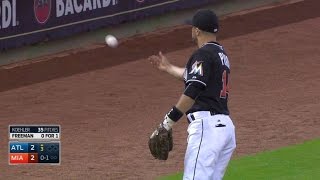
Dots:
{"x": 197, "y": 68}
{"x": 42, "y": 10}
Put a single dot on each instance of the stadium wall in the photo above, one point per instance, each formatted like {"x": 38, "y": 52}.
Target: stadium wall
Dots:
{"x": 25, "y": 22}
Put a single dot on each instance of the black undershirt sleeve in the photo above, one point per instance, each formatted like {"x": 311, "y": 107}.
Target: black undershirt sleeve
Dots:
{"x": 194, "y": 89}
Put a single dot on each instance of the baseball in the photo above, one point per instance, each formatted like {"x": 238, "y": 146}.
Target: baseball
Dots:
{"x": 111, "y": 41}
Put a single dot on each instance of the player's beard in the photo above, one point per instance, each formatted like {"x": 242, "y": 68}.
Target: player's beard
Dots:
{"x": 195, "y": 40}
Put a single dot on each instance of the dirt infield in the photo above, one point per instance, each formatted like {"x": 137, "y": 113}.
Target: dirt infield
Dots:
{"x": 108, "y": 108}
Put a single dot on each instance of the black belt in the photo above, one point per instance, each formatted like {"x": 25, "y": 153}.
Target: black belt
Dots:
{"x": 211, "y": 113}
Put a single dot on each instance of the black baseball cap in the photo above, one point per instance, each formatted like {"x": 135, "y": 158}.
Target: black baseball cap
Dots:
{"x": 205, "y": 20}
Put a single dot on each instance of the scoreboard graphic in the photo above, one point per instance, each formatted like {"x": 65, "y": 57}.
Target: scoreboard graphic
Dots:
{"x": 34, "y": 144}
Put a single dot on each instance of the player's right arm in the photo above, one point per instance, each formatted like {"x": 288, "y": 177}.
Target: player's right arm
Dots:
{"x": 163, "y": 64}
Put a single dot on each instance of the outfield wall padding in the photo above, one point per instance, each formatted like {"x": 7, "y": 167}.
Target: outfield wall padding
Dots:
{"x": 25, "y": 22}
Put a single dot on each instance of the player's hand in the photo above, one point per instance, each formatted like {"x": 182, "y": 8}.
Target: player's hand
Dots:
{"x": 161, "y": 143}
{"x": 161, "y": 62}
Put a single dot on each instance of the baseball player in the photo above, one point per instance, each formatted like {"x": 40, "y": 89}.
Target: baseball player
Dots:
{"x": 211, "y": 133}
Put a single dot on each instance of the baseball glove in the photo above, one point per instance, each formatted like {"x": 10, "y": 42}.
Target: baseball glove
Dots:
{"x": 160, "y": 143}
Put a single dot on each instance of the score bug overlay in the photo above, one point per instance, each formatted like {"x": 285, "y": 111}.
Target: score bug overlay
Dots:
{"x": 43, "y": 132}
{"x": 34, "y": 144}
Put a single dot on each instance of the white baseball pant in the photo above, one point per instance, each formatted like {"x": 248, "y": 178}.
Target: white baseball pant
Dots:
{"x": 211, "y": 142}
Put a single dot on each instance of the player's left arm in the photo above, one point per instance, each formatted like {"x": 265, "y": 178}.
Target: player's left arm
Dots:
{"x": 197, "y": 81}
{"x": 185, "y": 102}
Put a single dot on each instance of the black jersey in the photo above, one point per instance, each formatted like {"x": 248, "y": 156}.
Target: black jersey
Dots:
{"x": 209, "y": 65}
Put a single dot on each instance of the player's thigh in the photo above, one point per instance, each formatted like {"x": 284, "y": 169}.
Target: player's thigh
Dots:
{"x": 225, "y": 155}
{"x": 222, "y": 163}
{"x": 195, "y": 137}
{"x": 202, "y": 152}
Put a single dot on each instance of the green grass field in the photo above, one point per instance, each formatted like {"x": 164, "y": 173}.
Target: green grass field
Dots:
{"x": 299, "y": 162}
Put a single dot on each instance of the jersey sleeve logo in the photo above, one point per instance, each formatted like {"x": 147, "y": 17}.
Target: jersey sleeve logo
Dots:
{"x": 197, "y": 68}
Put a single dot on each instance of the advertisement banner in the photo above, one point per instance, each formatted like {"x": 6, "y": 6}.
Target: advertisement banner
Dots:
{"x": 24, "y": 22}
